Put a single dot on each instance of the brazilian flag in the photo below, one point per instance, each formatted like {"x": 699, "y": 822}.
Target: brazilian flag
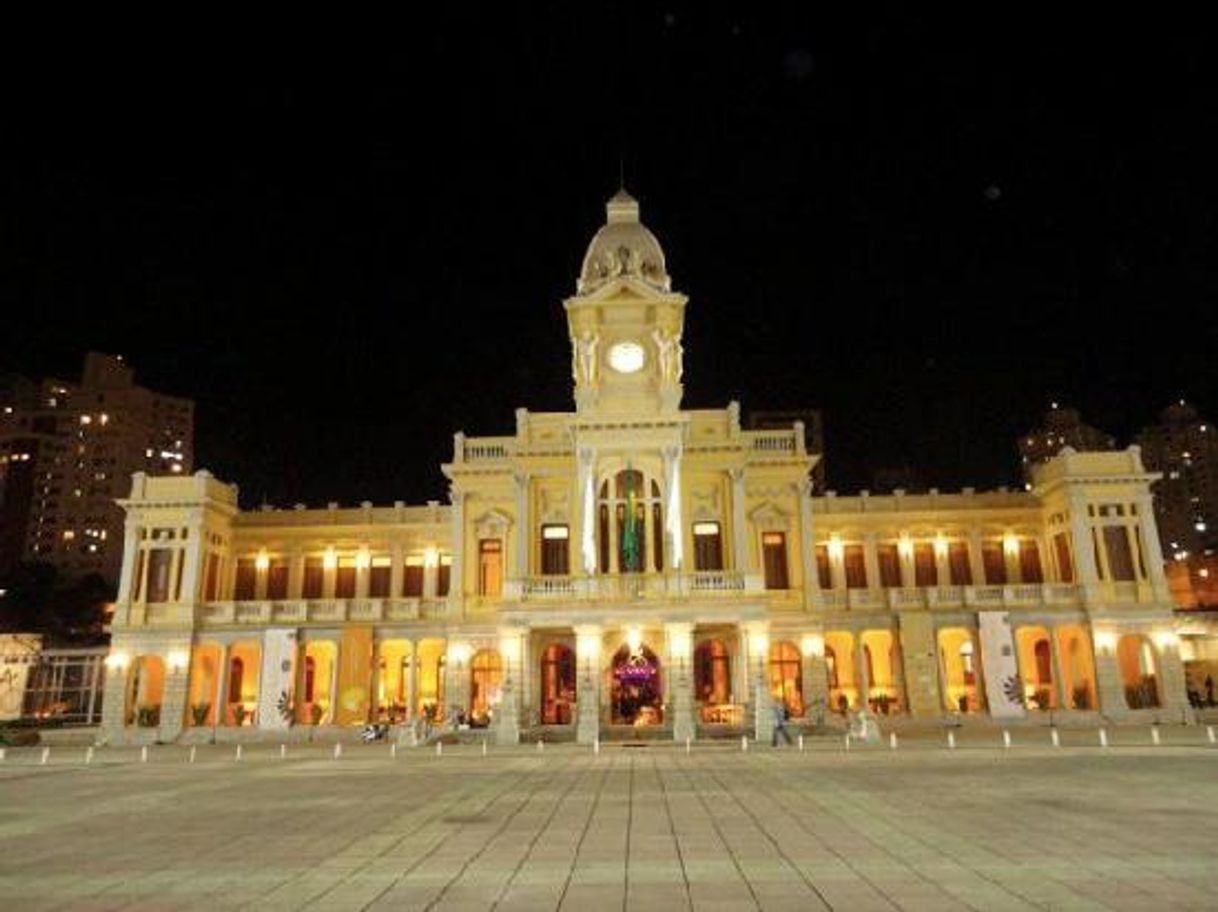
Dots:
{"x": 632, "y": 538}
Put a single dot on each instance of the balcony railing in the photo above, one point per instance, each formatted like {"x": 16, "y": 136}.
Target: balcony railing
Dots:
{"x": 630, "y": 586}
{"x": 1026, "y": 595}
{"x": 322, "y": 611}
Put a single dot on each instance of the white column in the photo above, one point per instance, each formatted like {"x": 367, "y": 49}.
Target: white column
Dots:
{"x": 680, "y": 679}
{"x": 674, "y": 524}
{"x": 976, "y": 564}
{"x": 587, "y": 494}
{"x": 524, "y": 525}
{"x": 196, "y": 548}
{"x": 871, "y": 560}
{"x": 456, "y": 571}
{"x": 1085, "y": 569}
{"x": 743, "y": 558}
{"x": 807, "y": 560}
{"x": 131, "y": 544}
{"x": 588, "y": 661}
{"x": 1152, "y": 550}
{"x": 396, "y": 569}
{"x": 296, "y": 564}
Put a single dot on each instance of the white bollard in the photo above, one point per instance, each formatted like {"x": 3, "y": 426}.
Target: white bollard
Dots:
{"x": 88, "y": 755}
{"x": 338, "y": 749}
{"x": 192, "y": 754}
{"x": 951, "y": 740}
{"x": 1103, "y": 737}
{"x": 847, "y": 741}
{"x": 237, "y": 754}
{"x": 1055, "y": 737}
{"x": 744, "y": 743}
{"x": 283, "y": 751}
{"x": 596, "y": 746}
{"x": 1, "y": 753}
{"x": 1154, "y": 735}
{"x": 144, "y": 754}
{"x": 540, "y": 745}
{"x": 801, "y": 744}
{"x": 892, "y": 740}
{"x": 46, "y": 755}
{"x": 439, "y": 748}
{"x": 393, "y": 751}
{"x": 687, "y": 745}
{"x": 484, "y": 747}
{"x": 1209, "y": 734}
{"x": 1006, "y": 739}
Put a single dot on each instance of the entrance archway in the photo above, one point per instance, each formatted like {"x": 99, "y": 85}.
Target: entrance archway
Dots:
{"x": 557, "y": 684}
{"x": 637, "y": 688}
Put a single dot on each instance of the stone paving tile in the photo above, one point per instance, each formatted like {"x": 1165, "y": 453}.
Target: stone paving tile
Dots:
{"x": 925, "y": 828}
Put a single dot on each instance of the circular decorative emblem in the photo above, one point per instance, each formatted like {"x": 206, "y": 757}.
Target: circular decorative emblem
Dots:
{"x": 627, "y": 357}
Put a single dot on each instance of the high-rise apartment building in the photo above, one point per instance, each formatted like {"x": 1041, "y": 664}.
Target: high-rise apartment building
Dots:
{"x": 1183, "y": 446}
{"x": 67, "y": 450}
{"x": 1062, "y": 427}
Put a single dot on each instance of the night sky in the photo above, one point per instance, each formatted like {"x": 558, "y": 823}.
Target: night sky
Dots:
{"x": 346, "y": 248}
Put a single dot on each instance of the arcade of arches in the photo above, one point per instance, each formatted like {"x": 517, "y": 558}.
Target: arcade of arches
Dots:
{"x": 635, "y": 676}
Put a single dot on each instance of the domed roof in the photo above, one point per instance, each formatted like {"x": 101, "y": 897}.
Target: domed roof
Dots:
{"x": 623, "y": 247}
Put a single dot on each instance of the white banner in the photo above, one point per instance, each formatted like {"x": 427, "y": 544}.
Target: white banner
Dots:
{"x": 277, "y": 699}
{"x": 1003, "y": 689}
{"x": 18, "y": 653}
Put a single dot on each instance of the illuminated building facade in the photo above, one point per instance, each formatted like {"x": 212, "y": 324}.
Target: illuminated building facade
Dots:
{"x": 633, "y": 564}
{"x": 68, "y": 450}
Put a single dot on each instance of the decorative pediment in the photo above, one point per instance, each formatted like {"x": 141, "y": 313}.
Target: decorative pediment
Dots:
{"x": 492, "y": 524}
{"x": 555, "y": 506}
{"x": 769, "y": 516}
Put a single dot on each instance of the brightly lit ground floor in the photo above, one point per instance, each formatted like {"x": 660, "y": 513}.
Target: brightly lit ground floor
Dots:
{"x": 670, "y": 679}
{"x": 1130, "y": 827}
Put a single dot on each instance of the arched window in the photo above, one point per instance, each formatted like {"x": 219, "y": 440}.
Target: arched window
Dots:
{"x": 628, "y": 504}
{"x": 236, "y": 671}
{"x": 1044, "y": 662}
{"x": 310, "y": 677}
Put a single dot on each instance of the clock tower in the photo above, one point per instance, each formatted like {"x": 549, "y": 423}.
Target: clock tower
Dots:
{"x": 625, "y": 322}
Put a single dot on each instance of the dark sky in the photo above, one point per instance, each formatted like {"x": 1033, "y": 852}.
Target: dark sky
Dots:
{"x": 344, "y": 250}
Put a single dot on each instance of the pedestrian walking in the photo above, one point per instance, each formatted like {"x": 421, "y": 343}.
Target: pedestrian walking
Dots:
{"x": 780, "y": 723}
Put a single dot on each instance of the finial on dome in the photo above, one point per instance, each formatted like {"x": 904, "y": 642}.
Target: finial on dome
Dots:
{"x": 622, "y": 207}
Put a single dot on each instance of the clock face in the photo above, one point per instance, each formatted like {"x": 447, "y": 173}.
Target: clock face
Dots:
{"x": 626, "y": 357}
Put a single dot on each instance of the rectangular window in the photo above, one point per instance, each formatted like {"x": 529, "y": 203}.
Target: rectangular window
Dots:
{"x": 412, "y": 579}
{"x": 159, "y": 562}
{"x": 344, "y": 579}
{"x": 856, "y": 567}
{"x": 890, "y": 566}
{"x": 378, "y": 578}
{"x": 211, "y": 577}
{"x": 247, "y": 575}
{"x": 137, "y": 585}
{"x": 824, "y": 574}
{"x": 444, "y": 574}
{"x": 1120, "y": 557}
{"x": 926, "y": 572}
{"x": 314, "y": 578}
{"x": 1029, "y": 562}
{"x": 774, "y": 559}
{"x": 277, "y": 580}
{"x": 1065, "y": 564}
{"x": 958, "y": 565}
{"x": 708, "y": 546}
{"x": 995, "y": 563}
{"x": 490, "y": 566}
{"x": 555, "y": 550}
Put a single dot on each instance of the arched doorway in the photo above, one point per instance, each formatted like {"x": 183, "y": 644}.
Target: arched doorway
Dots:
{"x": 786, "y": 677}
{"x": 1136, "y": 657}
{"x": 958, "y": 670}
{"x": 557, "y": 684}
{"x": 145, "y": 688}
{"x": 637, "y": 688}
{"x": 486, "y": 685}
{"x": 713, "y": 682}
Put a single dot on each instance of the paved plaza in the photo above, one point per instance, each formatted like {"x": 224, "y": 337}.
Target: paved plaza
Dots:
{"x": 1133, "y": 826}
